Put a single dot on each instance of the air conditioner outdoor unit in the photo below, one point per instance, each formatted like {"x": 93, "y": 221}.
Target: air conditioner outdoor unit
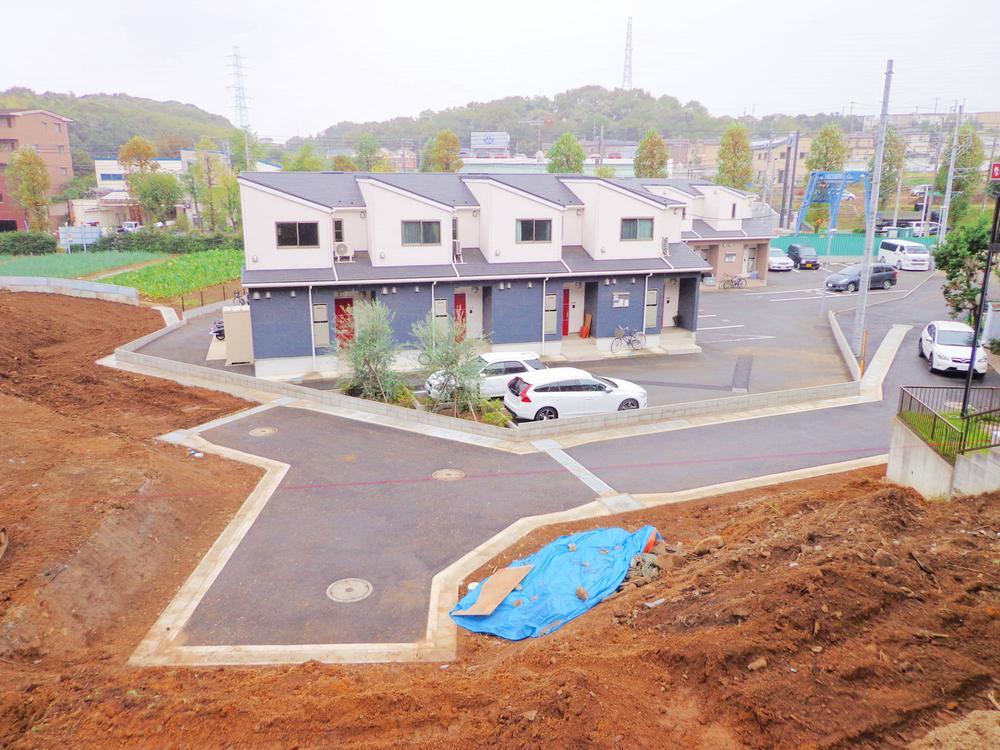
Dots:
{"x": 342, "y": 252}
{"x": 456, "y": 251}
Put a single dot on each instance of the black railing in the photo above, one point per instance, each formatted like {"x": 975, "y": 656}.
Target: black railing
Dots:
{"x": 935, "y": 414}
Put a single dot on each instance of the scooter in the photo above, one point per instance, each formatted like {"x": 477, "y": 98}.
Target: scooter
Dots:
{"x": 219, "y": 330}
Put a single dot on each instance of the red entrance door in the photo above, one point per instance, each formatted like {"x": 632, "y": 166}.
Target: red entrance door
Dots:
{"x": 343, "y": 308}
{"x": 460, "y": 309}
{"x": 565, "y": 325}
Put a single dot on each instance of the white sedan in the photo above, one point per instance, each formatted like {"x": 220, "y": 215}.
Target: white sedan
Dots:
{"x": 569, "y": 392}
{"x": 947, "y": 345}
{"x": 778, "y": 261}
{"x": 496, "y": 368}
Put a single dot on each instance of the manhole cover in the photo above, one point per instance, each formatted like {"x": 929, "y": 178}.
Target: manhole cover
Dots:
{"x": 448, "y": 475}
{"x": 263, "y": 431}
{"x": 349, "y": 590}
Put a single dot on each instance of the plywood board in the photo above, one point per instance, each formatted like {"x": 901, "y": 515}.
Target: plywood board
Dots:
{"x": 495, "y": 590}
{"x": 585, "y": 330}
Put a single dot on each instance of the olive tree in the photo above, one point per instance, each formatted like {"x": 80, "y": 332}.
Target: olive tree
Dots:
{"x": 371, "y": 352}
{"x": 450, "y": 360}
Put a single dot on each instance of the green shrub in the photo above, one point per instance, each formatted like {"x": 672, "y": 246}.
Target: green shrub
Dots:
{"x": 26, "y": 243}
{"x": 175, "y": 243}
{"x": 994, "y": 346}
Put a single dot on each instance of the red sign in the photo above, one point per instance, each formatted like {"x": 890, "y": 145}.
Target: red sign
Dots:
{"x": 995, "y": 171}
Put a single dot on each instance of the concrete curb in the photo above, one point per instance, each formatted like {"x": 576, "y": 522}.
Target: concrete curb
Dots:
{"x": 845, "y": 349}
{"x": 70, "y": 288}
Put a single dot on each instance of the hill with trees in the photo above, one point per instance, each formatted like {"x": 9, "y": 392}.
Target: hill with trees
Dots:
{"x": 582, "y": 111}
{"x": 103, "y": 122}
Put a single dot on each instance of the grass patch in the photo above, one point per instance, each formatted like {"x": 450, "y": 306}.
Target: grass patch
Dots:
{"x": 943, "y": 432}
{"x": 183, "y": 274}
{"x": 70, "y": 265}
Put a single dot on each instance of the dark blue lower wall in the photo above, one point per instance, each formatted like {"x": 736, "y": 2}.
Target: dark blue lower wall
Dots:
{"x": 517, "y": 312}
{"x": 608, "y": 318}
{"x": 281, "y": 324}
{"x": 407, "y": 307}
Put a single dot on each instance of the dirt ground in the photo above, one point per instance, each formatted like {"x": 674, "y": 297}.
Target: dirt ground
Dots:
{"x": 876, "y": 613}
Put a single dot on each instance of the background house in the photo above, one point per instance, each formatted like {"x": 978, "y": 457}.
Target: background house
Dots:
{"x": 48, "y": 134}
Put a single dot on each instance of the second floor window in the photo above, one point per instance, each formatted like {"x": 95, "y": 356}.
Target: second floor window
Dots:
{"x": 421, "y": 232}
{"x": 338, "y": 230}
{"x": 637, "y": 229}
{"x": 298, "y": 233}
{"x": 534, "y": 230}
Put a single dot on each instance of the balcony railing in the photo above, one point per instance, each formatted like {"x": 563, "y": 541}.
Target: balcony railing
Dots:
{"x": 935, "y": 414}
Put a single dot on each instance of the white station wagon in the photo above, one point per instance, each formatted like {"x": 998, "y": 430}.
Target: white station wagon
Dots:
{"x": 904, "y": 255}
{"x": 569, "y": 392}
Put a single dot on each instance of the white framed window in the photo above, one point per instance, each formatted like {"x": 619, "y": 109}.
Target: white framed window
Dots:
{"x": 533, "y": 230}
{"x": 421, "y": 232}
{"x": 637, "y": 229}
{"x": 338, "y": 230}
{"x": 619, "y": 299}
{"x": 730, "y": 257}
{"x": 297, "y": 233}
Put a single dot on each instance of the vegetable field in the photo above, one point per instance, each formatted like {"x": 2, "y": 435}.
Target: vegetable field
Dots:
{"x": 72, "y": 265}
{"x": 183, "y": 273}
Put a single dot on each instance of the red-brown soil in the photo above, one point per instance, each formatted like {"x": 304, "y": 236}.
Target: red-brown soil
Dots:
{"x": 877, "y": 613}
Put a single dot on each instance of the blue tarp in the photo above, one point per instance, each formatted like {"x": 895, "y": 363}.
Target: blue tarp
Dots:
{"x": 595, "y": 561}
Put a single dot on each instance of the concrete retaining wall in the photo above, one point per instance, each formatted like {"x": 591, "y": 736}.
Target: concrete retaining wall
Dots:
{"x": 913, "y": 463}
{"x": 843, "y": 346}
{"x": 526, "y": 432}
{"x": 71, "y": 288}
{"x": 976, "y": 473}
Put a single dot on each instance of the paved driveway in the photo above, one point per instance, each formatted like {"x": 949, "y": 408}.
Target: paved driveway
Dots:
{"x": 359, "y": 502}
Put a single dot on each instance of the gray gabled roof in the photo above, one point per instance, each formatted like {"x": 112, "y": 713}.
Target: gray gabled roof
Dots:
{"x": 545, "y": 186}
{"x": 689, "y": 187}
{"x": 750, "y": 229}
{"x": 446, "y": 188}
{"x": 475, "y": 265}
{"x": 331, "y": 189}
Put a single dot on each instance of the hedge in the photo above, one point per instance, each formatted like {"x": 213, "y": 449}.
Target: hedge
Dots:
{"x": 153, "y": 241}
{"x": 26, "y": 243}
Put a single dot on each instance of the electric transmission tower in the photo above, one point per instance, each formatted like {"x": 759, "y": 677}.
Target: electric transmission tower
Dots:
{"x": 627, "y": 73}
{"x": 240, "y": 100}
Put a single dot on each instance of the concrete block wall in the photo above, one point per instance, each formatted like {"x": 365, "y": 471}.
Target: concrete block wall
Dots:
{"x": 977, "y": 472}
{"x": 71, "y": 288}
{"x": 525, "y": 432}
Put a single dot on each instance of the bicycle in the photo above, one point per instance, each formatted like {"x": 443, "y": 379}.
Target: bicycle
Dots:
{"x": 627, "y": 338}
{"x": 733, "y": 282}
{"x": 239, "y": 299}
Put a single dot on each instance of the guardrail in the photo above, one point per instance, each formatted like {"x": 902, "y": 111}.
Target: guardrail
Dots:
{"x": 934, "y": 413}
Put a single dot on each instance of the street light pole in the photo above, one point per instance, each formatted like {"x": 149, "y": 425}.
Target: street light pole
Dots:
{"x": 943, "y": 229}
{"x": 993, "y": 249}
{"x": 822, "y": 295}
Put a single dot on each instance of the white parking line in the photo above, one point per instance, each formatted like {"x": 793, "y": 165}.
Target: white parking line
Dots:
{"x": 716, "y": 328}
{"x": 780, "y": 291}
{"x": 744, "y": 338}
{"x": 700, "y": 316}
{"x": 838, "y": 295}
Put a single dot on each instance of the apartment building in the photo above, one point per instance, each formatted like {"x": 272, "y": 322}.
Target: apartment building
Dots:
{"x": 527, "y": 261}
{"x": 48, "y": 134}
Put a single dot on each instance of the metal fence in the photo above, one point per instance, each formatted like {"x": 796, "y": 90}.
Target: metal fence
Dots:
{"x": 843, "y": 244}
{"x": 934, "y": 413}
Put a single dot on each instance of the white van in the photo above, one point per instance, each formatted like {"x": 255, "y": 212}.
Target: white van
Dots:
{"x": 904, "y": 255}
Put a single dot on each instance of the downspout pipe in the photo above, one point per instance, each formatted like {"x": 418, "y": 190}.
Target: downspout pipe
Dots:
{"x": 541, "y": 347}
{"x": 312, "y": 329}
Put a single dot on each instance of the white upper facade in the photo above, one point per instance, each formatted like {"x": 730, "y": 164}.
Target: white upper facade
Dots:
{"x": 309, "y": 220}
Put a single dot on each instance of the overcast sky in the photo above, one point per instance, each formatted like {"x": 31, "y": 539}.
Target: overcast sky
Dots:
{"x": 310, "y": 64}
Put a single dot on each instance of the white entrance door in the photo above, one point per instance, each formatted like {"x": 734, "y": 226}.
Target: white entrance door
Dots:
{"x": 749, "y": 259}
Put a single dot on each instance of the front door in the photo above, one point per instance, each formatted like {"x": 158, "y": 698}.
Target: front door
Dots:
{"x": 460, "y": 311}
{"x": 565, "y": 311}
{"x": 343, "y": 308}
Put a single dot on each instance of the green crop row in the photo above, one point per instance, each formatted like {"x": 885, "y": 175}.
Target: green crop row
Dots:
{"x": 70, "y": 265}
{"x": 183, "y": 273}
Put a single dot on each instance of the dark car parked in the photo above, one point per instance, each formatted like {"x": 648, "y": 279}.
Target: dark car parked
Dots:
{"x": 849, "y": 280}
{"x": 803, "y": 256}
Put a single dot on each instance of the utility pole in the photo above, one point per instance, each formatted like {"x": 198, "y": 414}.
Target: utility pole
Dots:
{"x": 866, "y": 259}
{"x": 899, "y": 190}
{"x": 943, "y": 230}
{"x": 767, "y": 167}
{"x": 784, "y": 183}
{"x": 791, "y": 182}
{"x": 993, "y": 151}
